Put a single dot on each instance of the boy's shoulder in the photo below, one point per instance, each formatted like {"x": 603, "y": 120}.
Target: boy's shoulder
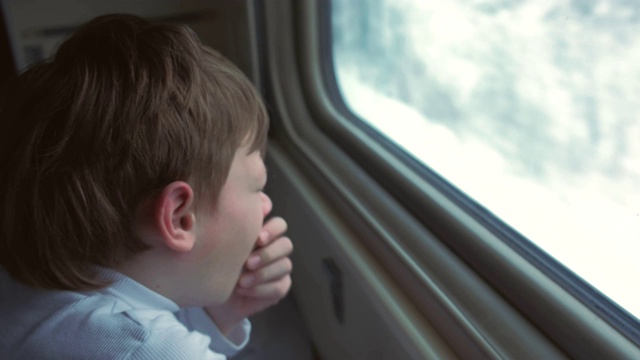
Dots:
{"x": 40, "y": 324}
{"x": 57, "y": 324}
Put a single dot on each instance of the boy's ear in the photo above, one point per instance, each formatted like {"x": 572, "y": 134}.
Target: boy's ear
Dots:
{"x": 175, "y": 216}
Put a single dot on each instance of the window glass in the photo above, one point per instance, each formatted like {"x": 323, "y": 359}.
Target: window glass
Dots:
{"x": 531, "y": 108}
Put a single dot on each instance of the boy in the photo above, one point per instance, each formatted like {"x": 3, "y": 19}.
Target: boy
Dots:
{"x": 131, "y": 201}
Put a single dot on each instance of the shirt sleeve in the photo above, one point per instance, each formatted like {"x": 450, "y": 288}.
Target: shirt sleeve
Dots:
{"x": 196, "y": 319}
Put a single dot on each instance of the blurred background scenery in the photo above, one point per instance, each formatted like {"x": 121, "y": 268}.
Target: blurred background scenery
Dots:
{"x": 531, "y": 108}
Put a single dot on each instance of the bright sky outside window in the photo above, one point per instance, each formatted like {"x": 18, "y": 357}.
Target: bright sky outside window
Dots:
{"x": 531, "y": 108}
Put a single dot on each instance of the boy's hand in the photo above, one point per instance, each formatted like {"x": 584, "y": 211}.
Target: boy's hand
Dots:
{"x": 267, "y": 274}
{"x": 265, "y": 280}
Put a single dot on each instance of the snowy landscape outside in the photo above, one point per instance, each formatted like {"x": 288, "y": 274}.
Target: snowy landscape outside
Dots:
{"x": 531, "y": 108}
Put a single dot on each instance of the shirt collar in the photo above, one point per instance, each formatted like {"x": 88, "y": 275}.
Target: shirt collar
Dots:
{"x": 134, "y": 293}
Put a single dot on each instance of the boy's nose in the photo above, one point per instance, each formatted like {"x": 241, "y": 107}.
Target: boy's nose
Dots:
{"x": 267, "y": 205}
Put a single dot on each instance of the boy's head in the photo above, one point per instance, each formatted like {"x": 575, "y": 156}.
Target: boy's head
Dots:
{"x": 125, "y": 108}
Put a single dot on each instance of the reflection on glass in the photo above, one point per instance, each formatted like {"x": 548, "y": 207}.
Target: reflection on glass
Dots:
{"x": 530, "y": 107}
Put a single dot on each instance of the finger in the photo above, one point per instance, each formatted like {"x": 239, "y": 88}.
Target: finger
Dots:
{"x": 271, "y": 230}
{"x": 269, "y": 273}
{"x": 278, "y": 249}
{"x": 274, "y": 290}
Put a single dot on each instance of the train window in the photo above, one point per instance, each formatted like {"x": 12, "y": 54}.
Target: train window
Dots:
{"x": 530, "y": 108}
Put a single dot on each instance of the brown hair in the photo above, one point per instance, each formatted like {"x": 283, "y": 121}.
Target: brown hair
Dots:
{"x": 123, "y": 109}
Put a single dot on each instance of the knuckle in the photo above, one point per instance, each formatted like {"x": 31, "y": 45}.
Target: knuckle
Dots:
{"x": 265, "y": 257}
{"x": 283, "y": 287}
{"x": 278, "y": 225}
{"x": 288, "y": 245}
{"x": 258, "y": 277}
{"x": 285, "y": 226}
{"x": 287, "y": 265}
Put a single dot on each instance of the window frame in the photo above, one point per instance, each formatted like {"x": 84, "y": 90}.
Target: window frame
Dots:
{"x": 358, "y": 168}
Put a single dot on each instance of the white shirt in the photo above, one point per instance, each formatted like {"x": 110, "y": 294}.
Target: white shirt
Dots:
{"x": 123, "y": 321}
